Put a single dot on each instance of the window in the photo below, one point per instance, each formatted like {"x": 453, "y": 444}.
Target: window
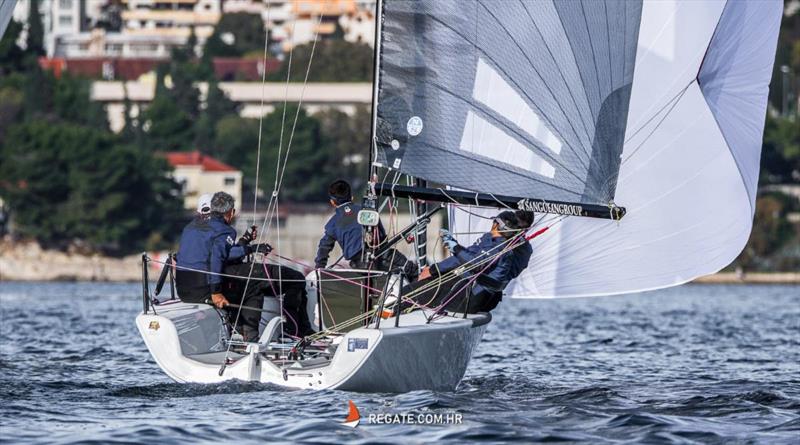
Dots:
{"x": 65, "y": 4}
{"x": 65, "y": 20}
{"x": 230, "y": 180}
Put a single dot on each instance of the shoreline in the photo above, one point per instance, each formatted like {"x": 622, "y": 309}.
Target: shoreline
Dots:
{"x": 750, "y": 278}
{"x": 28, "y": 262}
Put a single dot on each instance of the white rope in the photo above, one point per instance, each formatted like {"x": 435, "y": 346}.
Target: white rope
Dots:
{"x": 279, "y": 181}
{"x": 206, "y": 272}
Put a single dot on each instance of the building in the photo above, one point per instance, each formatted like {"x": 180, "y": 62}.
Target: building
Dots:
{"x": 98, "y": 43}
{"x": 296, "y": 22}
{"x": 199, "y": 174}
{"x": 150, "y": 28}
{"x": 171, "y": 18}
{"x": 345, "y": 97}
{"x": 61, "y": 18}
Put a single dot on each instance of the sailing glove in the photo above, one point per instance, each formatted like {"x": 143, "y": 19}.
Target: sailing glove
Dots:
{"x": 248, "y": 237}
{"x": 261, "y": 248}
{"x": 448, "y": 240}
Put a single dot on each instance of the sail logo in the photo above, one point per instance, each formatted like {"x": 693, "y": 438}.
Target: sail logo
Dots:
{"x": 353, "y": 416}
{"x": 549, "y": 207}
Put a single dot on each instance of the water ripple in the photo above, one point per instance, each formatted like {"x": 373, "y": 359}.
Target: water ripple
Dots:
{"x": 702, "y": 364}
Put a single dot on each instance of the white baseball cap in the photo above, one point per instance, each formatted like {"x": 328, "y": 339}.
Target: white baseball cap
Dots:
{"x": 204, "y": 204}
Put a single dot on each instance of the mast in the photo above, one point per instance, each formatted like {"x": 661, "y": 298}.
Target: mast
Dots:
{"x": 376, "y": 62}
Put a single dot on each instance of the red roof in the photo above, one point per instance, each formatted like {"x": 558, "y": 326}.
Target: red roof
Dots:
{"x": 229, "y": 69}
{"x": 226, "y": 69}
{"x": 92, "y": 67}
{"x": 209, "y": 164}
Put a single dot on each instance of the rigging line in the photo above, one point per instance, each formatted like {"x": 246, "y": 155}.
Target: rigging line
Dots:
{"x": 657, "y": 125}
{"x": 282, "y": 168}
{"x": 280, "y": 268}
{"x": 252, "y": 264}
{"x": 674, "y": 98}
{"x": 500, "y": 202}
{"x": 242, "y": 276}
{"x": 299, "y": 105}
{"x": 467, "y": 267}
{"x": 261, "y": 115}
{"x": 508, "y": 248}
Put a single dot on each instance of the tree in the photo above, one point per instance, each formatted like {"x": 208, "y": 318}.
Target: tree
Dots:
{"x": 10, "y": 107}
{"x": 35, "y": 38}
{"x": 780, "y": 155}
{"x": 111, "y": 16}
{"x": 771, "y": 231}
{"x": 308, "y": 171}
{"x": 217, "y": 107}
{"x": 167, "y": 124}
{"x": 235, "y": 141}
{"x": 11, "y": 54}
{"x": 65, "y": 183}
{"x": 235, "y": 35}
{"x": 166, "y": 127}
{"x": 347, "y": 139}
{"x": 334, "y": 61}
{"x": 72, "y": 102}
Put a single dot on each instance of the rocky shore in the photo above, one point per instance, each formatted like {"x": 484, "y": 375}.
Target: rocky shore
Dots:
{"x": 29, "y": 262}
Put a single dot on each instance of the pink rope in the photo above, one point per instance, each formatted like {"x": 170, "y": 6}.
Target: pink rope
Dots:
{"x": 474, "y": 277}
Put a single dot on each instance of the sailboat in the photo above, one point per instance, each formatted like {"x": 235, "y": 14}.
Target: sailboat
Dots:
{"x": 631, "y": 128}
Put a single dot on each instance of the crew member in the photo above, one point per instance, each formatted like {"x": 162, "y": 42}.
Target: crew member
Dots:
{"x": 485, "y": 277}
{"x": 207, "y": 250}
{"x": 204, "y": 204}
{"x": 343, "y": 228}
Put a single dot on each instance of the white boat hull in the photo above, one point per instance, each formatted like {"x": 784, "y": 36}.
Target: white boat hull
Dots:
{"x": 186, "y": 340}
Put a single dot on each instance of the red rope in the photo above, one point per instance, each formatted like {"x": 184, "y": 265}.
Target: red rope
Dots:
{"x": 537, "y": 233}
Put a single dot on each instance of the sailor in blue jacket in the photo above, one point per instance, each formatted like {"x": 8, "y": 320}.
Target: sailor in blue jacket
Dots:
{"x": 493, "y": 274}
{"x": 208, "y": 249}
{"x": 343, "y": 228}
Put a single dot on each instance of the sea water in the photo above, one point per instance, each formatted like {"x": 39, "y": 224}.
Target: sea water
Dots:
{"x": 697, "y": 363}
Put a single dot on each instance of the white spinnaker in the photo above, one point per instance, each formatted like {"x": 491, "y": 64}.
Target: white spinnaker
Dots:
{"x": 689, "y": 162}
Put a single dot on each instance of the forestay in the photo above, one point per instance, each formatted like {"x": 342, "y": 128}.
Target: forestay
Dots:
{"x": 657, "y": 106}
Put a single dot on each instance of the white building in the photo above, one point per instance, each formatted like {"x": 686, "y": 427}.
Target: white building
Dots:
{"x": 199, "y": 174}
{"x": 98, "y": 43}
{"x": 297, "y": 22}
{"x": 345, "y": 97}
{"x": 150, "y": 28}
{"x": 60, "y": 18}
{"x": 171, "y": 18}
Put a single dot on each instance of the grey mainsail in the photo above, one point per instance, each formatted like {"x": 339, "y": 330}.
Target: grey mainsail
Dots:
{"x": 521, "y": 98}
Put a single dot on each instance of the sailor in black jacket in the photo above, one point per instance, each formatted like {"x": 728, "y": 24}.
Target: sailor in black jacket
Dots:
{"x": 343, "y": 228}
{"x": 208, "y": 254}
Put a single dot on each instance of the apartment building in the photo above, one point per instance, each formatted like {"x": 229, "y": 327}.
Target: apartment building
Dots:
{"x": 171, "y": 18}
{"x": 296, "y": 22}
{"x": 60, "y": 18}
